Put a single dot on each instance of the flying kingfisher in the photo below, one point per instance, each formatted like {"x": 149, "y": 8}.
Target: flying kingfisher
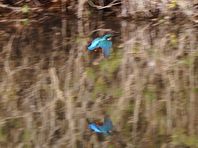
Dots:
{"x": 104, "y": 42}
{"x": 104, "y": 128}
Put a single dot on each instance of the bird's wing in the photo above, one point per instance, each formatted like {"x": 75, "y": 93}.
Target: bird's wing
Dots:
{"x": 95, "y": 128}
{"x": 94, "y": 44}
{"x": 107, "y": 126}
{"x": 105, "y": 45}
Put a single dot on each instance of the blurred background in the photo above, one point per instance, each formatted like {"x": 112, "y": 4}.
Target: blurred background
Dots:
{"x": 49, "y": 85}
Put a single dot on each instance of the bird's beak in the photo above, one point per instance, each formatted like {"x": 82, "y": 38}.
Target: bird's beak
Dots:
{"x": 109, "y": 39}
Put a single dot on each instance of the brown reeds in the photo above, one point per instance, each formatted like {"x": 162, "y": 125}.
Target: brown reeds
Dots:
{"x": 148, "y": 86}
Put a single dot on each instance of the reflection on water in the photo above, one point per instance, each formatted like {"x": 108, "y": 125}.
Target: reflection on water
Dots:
{"x": 48, "y": 86}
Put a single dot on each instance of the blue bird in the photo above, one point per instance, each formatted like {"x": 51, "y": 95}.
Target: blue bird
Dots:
{"x": 106, "y": 128}
{"x": 103, "y": 42}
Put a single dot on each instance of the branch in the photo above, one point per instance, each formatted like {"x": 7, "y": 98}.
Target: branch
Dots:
{"x": 97, "y": 30}
{"x": 13, "y": 20}
{"x": 17, "y": 9}
{"x": 10, "y": 7}
{"x": 113, "y": 3}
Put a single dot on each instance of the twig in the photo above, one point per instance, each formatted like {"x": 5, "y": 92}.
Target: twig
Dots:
{"x": 97, "y": 30}
{"x": 13, "y": 20}
{"x": 113, "y": 3}
{"x": 17, "y": 9}
{"x": 8, "y": 52}
{"x": 10, "y": 7}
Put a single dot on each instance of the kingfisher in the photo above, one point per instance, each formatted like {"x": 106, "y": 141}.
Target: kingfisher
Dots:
{"x": 104, "y": 128}
{"x": 104, "y": 42}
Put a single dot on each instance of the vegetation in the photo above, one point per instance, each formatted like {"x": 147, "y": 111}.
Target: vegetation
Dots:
{"x": 49, "y": 85}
